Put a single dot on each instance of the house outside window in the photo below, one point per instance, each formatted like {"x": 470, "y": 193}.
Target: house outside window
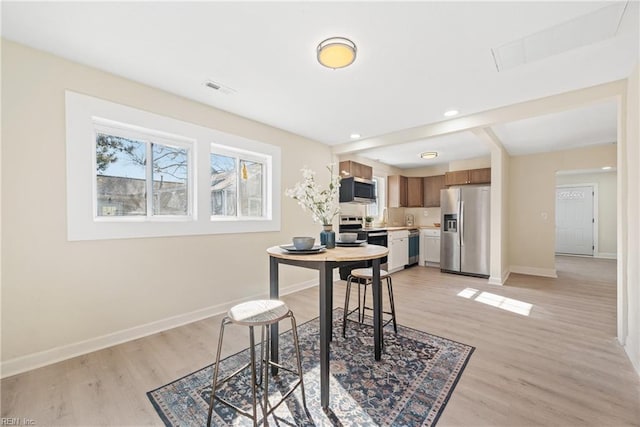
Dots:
{"x": 238, "y": 186}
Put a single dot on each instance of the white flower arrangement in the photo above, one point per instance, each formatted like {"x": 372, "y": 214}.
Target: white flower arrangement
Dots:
{"x": 322, "y": 203}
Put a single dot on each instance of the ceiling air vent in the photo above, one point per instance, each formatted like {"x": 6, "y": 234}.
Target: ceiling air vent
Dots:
{"x": 219, "y": 87}
{"x": 582, "y": 31}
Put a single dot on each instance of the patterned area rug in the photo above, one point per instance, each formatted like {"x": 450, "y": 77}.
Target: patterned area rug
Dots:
{"x": 410, "y": 386}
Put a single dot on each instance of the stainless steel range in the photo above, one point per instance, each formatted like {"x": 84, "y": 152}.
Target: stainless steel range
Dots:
{"x": 373, "y": 236}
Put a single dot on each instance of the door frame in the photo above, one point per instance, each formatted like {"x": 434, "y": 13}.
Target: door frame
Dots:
{"x": 594, "y": 187}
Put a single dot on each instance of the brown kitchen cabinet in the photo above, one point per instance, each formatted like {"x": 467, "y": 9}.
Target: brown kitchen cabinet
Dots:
{"x": 396, "y": 191}
{"x": 359, "y": 170}
{"x": 415, "y": 192}
{"x": 480, "y": 176}
{"x": 468, "y": 176}
{"x": 432, "y": 186}
{"x": 456, "y": 177}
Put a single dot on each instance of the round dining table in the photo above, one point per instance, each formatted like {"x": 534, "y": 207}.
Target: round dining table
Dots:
{"x": 325, "y": 262}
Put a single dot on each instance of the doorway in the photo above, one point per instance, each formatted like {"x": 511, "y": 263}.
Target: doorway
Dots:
{"x": 575, "y": 219}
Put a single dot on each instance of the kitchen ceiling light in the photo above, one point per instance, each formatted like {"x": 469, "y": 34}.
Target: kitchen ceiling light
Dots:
{"x": 336, "y": 52}
{"x": 606, "y": 168}
{"x": 429, "y": 155}
{"x": 451, "y": 113}
{"x": 355, "y": 135}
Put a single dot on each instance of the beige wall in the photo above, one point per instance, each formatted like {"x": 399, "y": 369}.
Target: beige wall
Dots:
{"x": 475, "y": 163}
{"x": 532, "y": 203}
{"x": 629, "y": 283}
{"x": 607, "y": 212}
{"x": 57, "y": 293}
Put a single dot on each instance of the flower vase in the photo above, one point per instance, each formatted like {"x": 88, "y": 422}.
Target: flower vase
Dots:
{"x": 328, "y": 236}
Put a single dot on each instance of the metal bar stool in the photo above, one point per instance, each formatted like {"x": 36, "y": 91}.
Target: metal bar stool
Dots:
{"x": 364, "y": 277}
{"x": 262, "y": 313}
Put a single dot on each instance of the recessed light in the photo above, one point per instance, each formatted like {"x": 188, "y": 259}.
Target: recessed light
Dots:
{"x": 451, "y": 113}
{"x": 355, "y": 135}
{"x": 429, "y": 155}
{"x": 606, "y": 168}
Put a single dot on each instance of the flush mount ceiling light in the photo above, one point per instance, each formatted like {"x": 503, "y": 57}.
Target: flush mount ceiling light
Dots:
{"x": 336, "y": 52}
{"x": 355, "y": 135}
{"x": 451, "y": 113}
{"x": 429, "y": 155}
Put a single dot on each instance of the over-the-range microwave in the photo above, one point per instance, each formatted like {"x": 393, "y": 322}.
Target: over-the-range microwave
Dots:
{"x": 357, "y": 190}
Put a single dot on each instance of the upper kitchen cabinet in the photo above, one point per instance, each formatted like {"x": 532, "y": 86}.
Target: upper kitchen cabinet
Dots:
{"x": 415, "y": 192}
{"x": 480, "y": 176}
{"x": 396, "y": 191}
{"x": 472, "y": 176}
{"x": 432, "y": 186}
{"x": 456, "y": 177}
{"x": 404, "y": 192}
{"x": 350, "y": 168}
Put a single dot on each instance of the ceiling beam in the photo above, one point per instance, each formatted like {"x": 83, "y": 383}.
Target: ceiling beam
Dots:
{"x": 537, "y": 107}
{"x": 488, "y": 135}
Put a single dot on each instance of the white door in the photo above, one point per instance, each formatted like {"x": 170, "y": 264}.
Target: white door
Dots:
{"x": 574, "y": 220}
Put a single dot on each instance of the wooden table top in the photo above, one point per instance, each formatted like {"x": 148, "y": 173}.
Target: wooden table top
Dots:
{"x": 339, "y": 253}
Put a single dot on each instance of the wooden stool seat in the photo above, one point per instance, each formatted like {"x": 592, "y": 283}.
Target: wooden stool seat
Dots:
{"x": 367, "y": 273}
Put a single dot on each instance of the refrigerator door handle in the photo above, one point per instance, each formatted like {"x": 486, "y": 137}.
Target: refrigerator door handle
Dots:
{"x": 461, "y": 223}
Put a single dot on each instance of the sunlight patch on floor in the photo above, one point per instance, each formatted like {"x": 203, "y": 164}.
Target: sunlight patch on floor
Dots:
{"x": 504, "y": 303}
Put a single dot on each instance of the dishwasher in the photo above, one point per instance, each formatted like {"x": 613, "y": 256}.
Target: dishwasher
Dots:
{"x": 414, "y": 246}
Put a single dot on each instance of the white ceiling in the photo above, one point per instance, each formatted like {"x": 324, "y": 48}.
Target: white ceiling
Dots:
{"x": 415, "y": 60}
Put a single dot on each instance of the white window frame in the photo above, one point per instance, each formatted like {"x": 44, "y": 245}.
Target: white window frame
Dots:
{"x": 381, "y": 197}
{"x": 264, "y": 160}
{"x": 83, "y": 111}
{"x": 149, "y": 137}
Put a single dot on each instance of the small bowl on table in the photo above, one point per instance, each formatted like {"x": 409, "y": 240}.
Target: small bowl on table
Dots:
{"x": 303, "y": 243}
{"x": 348, "y": 237}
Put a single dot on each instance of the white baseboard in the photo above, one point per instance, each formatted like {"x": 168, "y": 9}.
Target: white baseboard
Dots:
{"x": 534, "y": 271}
{"x": 47, "y": 357}
{"x": 606, "y": 255}
{"x": 635, "y": 361}
{"x": 500, "y": 280}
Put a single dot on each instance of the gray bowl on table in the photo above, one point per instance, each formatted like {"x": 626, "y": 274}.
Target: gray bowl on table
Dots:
{"x": 348, "y": 237}
{"x": 303, "y": 243}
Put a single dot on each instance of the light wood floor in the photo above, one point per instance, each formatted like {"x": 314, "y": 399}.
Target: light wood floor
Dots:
{"x": 559, "y": 365}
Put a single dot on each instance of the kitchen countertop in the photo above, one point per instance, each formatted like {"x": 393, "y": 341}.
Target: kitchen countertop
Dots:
{"x": 404, "y": 227}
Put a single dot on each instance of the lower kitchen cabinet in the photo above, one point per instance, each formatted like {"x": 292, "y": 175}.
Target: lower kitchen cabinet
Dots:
{"x": 430, "y": 247}
{"x": 398, "y": 250}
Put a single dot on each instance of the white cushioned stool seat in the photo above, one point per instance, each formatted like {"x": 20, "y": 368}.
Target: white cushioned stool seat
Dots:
{"x": 261, "y": 313}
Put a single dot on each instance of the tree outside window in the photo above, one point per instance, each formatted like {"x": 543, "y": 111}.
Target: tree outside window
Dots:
{"x": 124, "y": 177}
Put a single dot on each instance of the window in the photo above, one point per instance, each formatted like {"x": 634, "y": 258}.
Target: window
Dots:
{"x": 238, "y": 187}
{"x": 132, "y": 173}
{"x": 141, "y": 175}
{"x": 376, "y": 209}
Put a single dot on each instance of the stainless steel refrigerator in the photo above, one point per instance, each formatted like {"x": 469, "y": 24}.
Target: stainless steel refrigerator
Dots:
{"x": 465, "y": 230}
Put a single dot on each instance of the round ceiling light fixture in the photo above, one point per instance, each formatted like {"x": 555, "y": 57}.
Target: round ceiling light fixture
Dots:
{"x": 429, "y": 155}
{"x": 336, "y": 52}
{"x": 451, "y": 113}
